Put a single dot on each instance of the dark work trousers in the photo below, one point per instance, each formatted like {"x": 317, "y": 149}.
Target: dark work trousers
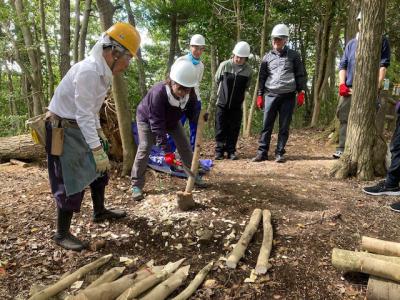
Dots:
{"x": 284, "y": 106}
{"x": 342, "y": 113}
{"x": 64, "y": 202}
{"x": 227, "y": 128}
{"x": 393, "y": 173}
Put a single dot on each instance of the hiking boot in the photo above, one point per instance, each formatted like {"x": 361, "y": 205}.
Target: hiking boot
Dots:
{"x": 381, "y": 189}
{"x": 219, "y": 156}
{"x": 137, "y": 193}
{"x": 279, "y": 158}
{"x": 233, "y": 156}
{"x": 199, "y": 182}
{"x": 395, "y": 206}
{"x": 259, "y": 157}
{"x": 62, "y": 236}
{"x": 337, "y": 154}
{"x": 100, "y": 213}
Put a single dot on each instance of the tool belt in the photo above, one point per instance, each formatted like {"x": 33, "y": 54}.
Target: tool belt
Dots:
{"x": 58, "y": 122}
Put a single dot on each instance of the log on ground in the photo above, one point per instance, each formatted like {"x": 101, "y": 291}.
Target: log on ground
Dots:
{"x": 20, "y": 147}
{"x": 382, "y": 289}
{"x": 380, "y": 246}
{"x": 240, "y": 248}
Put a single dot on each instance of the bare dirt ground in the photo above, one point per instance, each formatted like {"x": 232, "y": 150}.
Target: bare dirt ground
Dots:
{"x": 311, "y": 214}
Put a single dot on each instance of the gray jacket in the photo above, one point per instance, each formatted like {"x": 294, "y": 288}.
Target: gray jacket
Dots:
{"x": 281, "y": 73}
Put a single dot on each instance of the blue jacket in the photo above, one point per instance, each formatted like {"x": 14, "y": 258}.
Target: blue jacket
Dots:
{"x": 348, "y": 61}
{"x": 156, "y": 110}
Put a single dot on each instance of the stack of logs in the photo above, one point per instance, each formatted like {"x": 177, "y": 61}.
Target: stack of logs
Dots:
{"x": 381, "y": 262}
{"x": 150, "y": 282}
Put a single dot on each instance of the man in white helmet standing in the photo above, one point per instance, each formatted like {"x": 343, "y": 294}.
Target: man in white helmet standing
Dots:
{"x": 75, "y": 143}
{"x": 197, "y": 46}
{"x": 346, "y": 75}
{"x": 233, "y": 77}
{"x": 282, "y": 75}
{"x": 159, "y": 113}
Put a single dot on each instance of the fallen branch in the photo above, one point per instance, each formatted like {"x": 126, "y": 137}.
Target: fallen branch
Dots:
{"x": 364, "y": 263}
{"x": 16, "y": 162}
{"x": 143, "y": 285}
{"x": 381, "y": 289}
{"x": 108, "y": 276}
{"x": 240, "y": 248}
{"x": 196, "y": 282}
{"x": 164, "y": 289}
{"x": 266, "y": 246}
{"x": 70, "y": 279}
{"x": 380, "y": 246}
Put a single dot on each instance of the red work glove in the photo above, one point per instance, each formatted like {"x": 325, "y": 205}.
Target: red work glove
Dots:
{"x": 260, "y": 102}
{"x": 169, "y": 158}
{"x": 300, "y": 98}
{"x": 344, "y": 90}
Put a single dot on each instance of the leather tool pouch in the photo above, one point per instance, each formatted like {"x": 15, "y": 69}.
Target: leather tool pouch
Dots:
{"x": 57, "y": 141}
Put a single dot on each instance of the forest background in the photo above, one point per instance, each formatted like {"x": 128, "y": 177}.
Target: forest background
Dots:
{"x": 41, "y": 39}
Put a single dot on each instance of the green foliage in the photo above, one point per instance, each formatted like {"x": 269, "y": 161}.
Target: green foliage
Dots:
{"x": 12, "y": 125}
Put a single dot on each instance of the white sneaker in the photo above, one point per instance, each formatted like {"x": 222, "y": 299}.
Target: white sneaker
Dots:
{"x": 337, "y": 154}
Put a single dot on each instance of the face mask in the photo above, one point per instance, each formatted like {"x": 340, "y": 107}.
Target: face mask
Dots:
{"x": 194, "y": 60}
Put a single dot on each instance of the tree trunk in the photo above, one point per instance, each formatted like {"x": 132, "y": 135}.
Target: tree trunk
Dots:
{"x": 262, "y": 49}
{"x": 36, "y": 77}
{"x": 173, "y": 39}
{"x": 141, "y": 73}
{"x": 11, "y": 98}
{"x": 77, "y": 29}
{"x": 84, "y": 28}
{"x": 50, "y": 73}
{"x": 20, "y": 147}
{"x": 65, "y": 37}
{"x": 120, "y": 93}
{"x": 352, "y": 23}
{"x": 361, "y": 131}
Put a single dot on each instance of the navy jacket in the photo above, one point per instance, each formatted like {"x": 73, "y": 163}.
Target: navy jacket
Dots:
{"x": 348, "y": 61}
{"x": 156, "y": 110}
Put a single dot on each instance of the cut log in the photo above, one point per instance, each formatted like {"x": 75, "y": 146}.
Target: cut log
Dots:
{"x": 362, "y": 262}
{"x": 381, "y": 289}
{"x": 20, "y": 147}
{"x": 241, "y": 246}
{"x": 141, "y": 286}
{"x": 380, "y": 247}
{"x": 164, "y": 289}
{"x": 108, "y": 276}
{"x": 196, "y": 282}
{"x": 19, "y": 163}
{"x": 70, "y": 279}
{"x": 266, "y": 246}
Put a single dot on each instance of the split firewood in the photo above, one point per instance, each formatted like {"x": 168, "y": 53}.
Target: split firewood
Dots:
{"x": 382, "y": 289}
{"x": 164, "y": 289}
{"x": 362, "y": 262}
{"x": 380, "y": 246}
{"x": 141, "y": 286}
{"x": 16, "y": 162}
{"x": 240, "y": 248}
{"x": 196, "y": 282}
{"x": 266, "y": 246}
{"x": 70, "y": 279}
{"x": 108, "y": 276}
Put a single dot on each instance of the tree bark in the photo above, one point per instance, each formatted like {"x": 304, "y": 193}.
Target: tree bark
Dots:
{"x": 11, "y": 98}
{"x": 174, "y": 31}
{"x": 139, "y": 61}
{"x": 84, "y": 28}
{"x": 262, "y": 50}
{"x": 77, "y": 29}
{"x": 36, "y": 77}
{"x": 265, "y": 251}
{"x": 382, "y": 289}
{"x": 65, "y": 37}
{"x": 49, "y": 66}
{"x": 20, "y": 147}
{"x": 380, "y": 246}
{"x": 361, "y": 130}
{"x": 352, "y": 24}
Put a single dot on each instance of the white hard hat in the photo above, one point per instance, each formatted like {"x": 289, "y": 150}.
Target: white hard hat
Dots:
{"x": 197, "y": 40}
{"x": 359, "y": 17}
{"x": 242, "y": 49}
{"x": 184, "y": 73}
{"x": 280, "y": 30}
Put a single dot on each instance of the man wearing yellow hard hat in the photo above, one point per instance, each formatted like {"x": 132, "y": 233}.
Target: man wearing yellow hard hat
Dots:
{"x": 75, "y": 143}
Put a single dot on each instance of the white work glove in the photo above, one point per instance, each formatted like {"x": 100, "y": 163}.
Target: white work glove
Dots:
{"x": 101, "y": 160}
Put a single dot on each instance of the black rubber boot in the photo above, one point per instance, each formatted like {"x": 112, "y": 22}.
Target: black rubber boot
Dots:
{"x": 63, "y": 237}
{"x": 100, "y": 213}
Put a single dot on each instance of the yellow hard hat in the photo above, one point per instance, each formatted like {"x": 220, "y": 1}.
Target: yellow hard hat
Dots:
{"x": 126, "y": 35}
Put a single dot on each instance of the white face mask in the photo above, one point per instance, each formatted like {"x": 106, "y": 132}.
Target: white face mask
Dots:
{"x": 181, "y": 103}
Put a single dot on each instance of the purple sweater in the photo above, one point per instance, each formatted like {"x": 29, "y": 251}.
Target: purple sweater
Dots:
{"x": 155, "y": 110}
